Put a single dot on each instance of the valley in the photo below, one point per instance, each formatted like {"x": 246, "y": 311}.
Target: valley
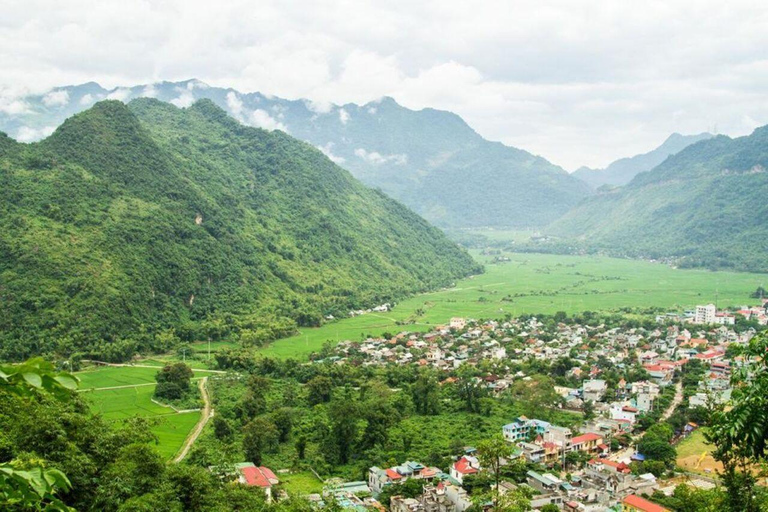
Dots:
{"x": 531, "y": 283}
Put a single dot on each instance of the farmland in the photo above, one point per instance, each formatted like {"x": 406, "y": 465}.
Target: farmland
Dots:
{"x": 537, "y": 283}
{"x": 130, "y": 395}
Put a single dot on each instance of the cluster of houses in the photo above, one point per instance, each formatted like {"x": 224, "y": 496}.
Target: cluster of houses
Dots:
{"x": 606, "y": 482}
{"x": 708, "y": 314}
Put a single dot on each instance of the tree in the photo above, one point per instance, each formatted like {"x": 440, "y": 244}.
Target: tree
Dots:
{"x": 426, "y": 395}
{"x": 535, "y": 395}
{"x": 259, "y": 436}
{"x": 283, "y": 420}
{"x": 222, "y": 429}
{"x": 740, "y": 432}
{"x": 319, "y": 390}
{"x": 589, "y": 410}
{"x": 173, "y": 381}
{"x": 492, "y": 453}
{"x": 470, "y": 390}
{"x": 30, "y": 484}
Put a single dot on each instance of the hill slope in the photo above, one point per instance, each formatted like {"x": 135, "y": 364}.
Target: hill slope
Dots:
{"x": 704, "y": 206}
{"x": 431, "y": 160}
{"x": 622, "y": 171}
{"x": 129, "y": 220}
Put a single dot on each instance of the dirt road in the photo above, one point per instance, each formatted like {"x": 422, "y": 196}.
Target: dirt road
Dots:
{"x": 205, "y": 415}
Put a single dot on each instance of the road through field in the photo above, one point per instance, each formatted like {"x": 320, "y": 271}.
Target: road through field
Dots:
{"x": 204, "y": 417}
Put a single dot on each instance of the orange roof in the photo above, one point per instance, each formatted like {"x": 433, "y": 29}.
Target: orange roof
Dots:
{"x": 642, "y": 504}
{"x": 585, "y": 438}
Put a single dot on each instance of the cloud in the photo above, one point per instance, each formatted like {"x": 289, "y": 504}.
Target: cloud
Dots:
{"x": 235, "y": 104}
{"x": 150, "y": 91}
{"x": 261, "y": 119}
{"x": 580, "y": 82}
{"x": 88, "y": 99}
{"x": 27, "y": 134}
{"x": 56, "y": 98}
{"x": 327, "y": 151}
{"x": 13, "y": 106}
{"x": 375, "y": 158}
{"x": 185, "y": 98}
{"x": 343, "y": 116}
{"x": 119, "y": 94}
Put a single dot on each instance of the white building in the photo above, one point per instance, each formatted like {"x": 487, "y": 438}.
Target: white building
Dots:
{"x": 705, "y": 314}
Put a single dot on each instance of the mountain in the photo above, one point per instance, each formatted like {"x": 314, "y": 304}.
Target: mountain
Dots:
{"x": 622, "y": 171}
{"x": 430, "y": 160}
{"x": 705, "y": 206}
{"x": 130, "y": 221}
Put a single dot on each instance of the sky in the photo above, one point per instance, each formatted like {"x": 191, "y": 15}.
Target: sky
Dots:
{"x": 580, "y": 83}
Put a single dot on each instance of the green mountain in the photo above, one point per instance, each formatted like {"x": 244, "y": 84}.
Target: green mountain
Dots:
{"x": 622, "y": 171}
{"x": 705, "y": 206}
{"x": 430, "y": 160}
{"x": 132, "y": 220}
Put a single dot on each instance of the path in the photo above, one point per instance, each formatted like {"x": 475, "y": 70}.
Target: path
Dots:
{"x": 675, "y": 401}
{"x": 124, "y": 386}
{"x": 204, "y": 417}
{"x": 130, "y": 365}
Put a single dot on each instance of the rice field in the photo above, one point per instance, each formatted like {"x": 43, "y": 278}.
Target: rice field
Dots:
{"x": 538, "y": 283}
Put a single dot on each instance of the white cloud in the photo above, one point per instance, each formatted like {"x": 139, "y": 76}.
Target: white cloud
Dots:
{"x": 235, "y": 104}
{"x": 119, "y": 94}
{"x": 26, "y": 134}
{"x": 13, "y": 106}
{"x": 87, "y": 99}
{"x": 56, "y": 98}
{"x": 580, "y": 82}
{"x": 261, "y": 119}
{"x": 184, "y": 99}
{"x": 376, "y": 158}
{"x": 150, "y": 91}
{"x": 343, "y": 116}
{"x": 327, "y": 151}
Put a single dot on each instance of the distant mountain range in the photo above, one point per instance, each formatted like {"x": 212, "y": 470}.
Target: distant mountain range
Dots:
{"x": 134, "y": 222}
{"x": 430, "y": 160}
{"x": 622, "y": 171}
{"x": 705, "y": 206}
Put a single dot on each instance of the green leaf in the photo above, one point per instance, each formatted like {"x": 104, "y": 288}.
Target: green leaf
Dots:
{"x": 67, "y": 381}
{"x": 33, "y": 379}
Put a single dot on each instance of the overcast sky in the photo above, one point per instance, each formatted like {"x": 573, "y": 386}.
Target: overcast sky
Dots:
{"x": 580, "y": 83}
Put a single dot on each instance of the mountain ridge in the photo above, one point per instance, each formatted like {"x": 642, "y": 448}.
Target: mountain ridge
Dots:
{"x": 429, "y": 159}
{"x": 134, "y": 222}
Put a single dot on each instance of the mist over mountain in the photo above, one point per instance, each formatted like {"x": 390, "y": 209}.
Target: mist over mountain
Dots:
{"x": 430, "y": 160}
{"x": 622, "y": 171}
{"x": 133, "y": 219}
{"x": 704, "y": 206}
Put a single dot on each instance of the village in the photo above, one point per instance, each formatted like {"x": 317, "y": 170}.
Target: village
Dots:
{"x": 676, "y": 369}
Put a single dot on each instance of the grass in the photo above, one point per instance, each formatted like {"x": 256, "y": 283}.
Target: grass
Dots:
{"x": 694, "y": 444}
{"x": 110, "y": 376}
{"x": 300, "y": 484}
{"x": 171, "y": 428}
{"x": 537, "y": 283}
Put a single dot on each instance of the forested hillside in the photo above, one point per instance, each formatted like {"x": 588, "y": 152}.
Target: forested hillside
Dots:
{"x": 133, "y": 225}
{"x": 623, "y": 170}
{"x": 705, "y": 206}
{"x": 430, "y": 160}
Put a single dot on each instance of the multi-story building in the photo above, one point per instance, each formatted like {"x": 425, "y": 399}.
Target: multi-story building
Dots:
{"x": 705, "y": 314}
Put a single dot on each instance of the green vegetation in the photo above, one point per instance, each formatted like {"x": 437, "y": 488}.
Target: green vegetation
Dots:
{"x": 430, "y": 160}
{"x": 704, "y": 206}
{"x": 136, "y": 227}
{"x": 536, "y": 283}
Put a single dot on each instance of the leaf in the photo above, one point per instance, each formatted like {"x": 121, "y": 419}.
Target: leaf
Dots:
{"x": 67, "y": 381}
{"x": 33, "y": 379}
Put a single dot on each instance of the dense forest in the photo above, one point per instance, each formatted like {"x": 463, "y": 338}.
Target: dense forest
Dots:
{"x": 133, "y": 226}
{"x": 705, "y": 206}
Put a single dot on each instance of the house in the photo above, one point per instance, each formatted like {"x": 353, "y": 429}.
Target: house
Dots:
{"x": 465, "y": 466}
{"x": 594, "y": 389}
{"x": 259, "y": 476}
{"x": 634, "y": 503}
{"x": 458, "y": 323}
{"x": 589, "y": 443}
